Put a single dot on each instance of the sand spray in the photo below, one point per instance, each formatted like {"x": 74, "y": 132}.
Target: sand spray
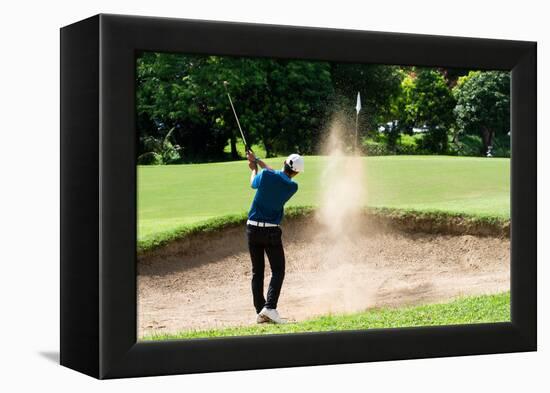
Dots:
{"x": 342, "y": 185}
{"x": 339, "y": 223}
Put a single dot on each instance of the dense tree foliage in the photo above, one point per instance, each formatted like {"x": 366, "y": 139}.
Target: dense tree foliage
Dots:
{"x": 294, "y": 105}
{"x": 183, "y": 114}
{"x": 186, "y": 94}
{"x": 281, "y": 104}
{"x": 378, "y": 85}
{"x": 483, "y": 105}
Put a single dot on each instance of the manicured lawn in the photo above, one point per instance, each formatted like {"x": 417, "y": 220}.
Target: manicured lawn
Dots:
{"x": 468, "y": 310}
{"x": 173, "y": 196}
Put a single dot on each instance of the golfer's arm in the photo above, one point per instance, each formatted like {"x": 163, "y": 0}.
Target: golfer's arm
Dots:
{"x": 253, "y": 175}
{"x": 262, "y": 164}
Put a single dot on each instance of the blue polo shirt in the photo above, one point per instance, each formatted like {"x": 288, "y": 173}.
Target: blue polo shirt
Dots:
{"x": 274, "y": 189}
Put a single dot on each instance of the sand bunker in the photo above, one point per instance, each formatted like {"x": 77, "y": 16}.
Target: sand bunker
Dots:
{"x": 204, "y": 282}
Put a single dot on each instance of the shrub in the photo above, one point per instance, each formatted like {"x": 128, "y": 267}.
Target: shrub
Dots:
{"x": 410, "y": 144}
{"x": 159, "y": 151}
{"x": 501, "y": 146}
{"x": 404, "y": 145}
{"x": 150, "y": 158}
{"x": 466, "y": 145}
{"x": 374, "y": 148}
{"x": 472, "y": 145}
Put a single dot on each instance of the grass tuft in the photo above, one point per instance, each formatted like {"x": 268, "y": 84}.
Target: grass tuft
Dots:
{"x": 465, "y": 310}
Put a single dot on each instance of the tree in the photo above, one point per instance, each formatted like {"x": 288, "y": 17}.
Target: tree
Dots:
{"x": 483, "y": 105}
{"x": 426, "y": 102}
{"x": 170, "y": 95}
{"x": 295, "y": 105}
{"x": 379, "y": 86}
{"x": 451, "y": 75}
{"x": 280, "y": 103}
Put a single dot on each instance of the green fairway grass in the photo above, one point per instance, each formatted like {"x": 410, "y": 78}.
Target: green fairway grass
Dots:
{"x": 467, "y": 310}
{"x": 174, "y": 196}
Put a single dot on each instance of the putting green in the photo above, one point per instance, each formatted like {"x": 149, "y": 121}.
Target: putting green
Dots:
{"x": 174, "y": 195}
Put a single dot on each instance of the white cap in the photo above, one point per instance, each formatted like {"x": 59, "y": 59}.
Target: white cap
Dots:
{"x": 295, "y": 162}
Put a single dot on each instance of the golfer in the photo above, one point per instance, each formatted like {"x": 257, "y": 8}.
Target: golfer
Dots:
{"x": 273, "y": 190}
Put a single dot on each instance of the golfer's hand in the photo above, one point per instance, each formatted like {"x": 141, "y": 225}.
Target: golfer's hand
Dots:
{"x": 252, "y": 165}
{"x": 250, "y": 156}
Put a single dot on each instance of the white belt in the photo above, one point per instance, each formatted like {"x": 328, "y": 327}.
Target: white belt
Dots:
{"x": 261, "y": 224}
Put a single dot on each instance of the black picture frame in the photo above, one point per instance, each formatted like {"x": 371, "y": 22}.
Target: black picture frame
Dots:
{"x": 98, "y": 196}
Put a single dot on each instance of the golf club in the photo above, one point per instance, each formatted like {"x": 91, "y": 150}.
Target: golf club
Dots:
{"x": 247, "y": 148}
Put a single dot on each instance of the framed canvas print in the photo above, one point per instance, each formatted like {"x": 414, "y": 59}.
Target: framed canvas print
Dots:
{"x": 239, "y": 196}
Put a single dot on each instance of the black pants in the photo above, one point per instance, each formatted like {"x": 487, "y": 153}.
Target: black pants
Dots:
{"x": 266, "y": 240}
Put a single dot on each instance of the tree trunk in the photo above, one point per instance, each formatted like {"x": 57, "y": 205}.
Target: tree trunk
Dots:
{"x": 267, "y": 149}
{"x": 487, "y": 138}
{"x": 234, "y": 152}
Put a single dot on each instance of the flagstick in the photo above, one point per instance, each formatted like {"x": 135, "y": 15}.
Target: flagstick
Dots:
{"x": 356, "y": 129}
{"x": 357, "y": 110}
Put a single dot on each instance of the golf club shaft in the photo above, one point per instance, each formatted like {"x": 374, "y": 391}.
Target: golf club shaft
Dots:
{"x": 237, "y": 118}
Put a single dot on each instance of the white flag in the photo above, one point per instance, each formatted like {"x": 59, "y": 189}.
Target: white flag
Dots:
{"x": 358, "y": 106}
